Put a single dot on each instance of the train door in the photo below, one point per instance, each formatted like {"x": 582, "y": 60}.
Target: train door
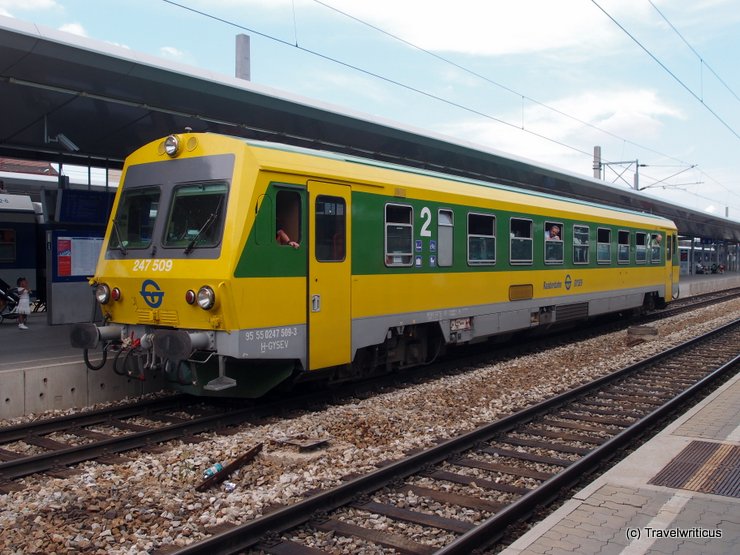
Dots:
{"x": 329, "y": 271}
{"x": 674, "y": 263}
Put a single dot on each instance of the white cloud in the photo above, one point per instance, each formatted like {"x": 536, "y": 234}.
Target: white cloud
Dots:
{"x": 626, "y": 113}
{"x": 483, "y": 27}
{"x": 28, "y": 5}
{"x": 171, "y": 52}
{"x": 74, "y": 28}
{"x": 7, "y": 7}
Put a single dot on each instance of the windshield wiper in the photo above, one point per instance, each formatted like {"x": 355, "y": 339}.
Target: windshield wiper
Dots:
{"x": 121, "y": 246}
{"x": 206, "y": 225}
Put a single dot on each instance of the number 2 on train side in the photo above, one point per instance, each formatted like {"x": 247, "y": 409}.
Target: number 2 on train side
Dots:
{"x": 426, "y": 215}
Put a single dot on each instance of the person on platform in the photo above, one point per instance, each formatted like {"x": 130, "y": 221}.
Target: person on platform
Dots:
{"x": 24, "y": 302}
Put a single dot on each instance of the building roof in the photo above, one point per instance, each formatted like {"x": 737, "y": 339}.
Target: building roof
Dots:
{"x": 77, "y": 100}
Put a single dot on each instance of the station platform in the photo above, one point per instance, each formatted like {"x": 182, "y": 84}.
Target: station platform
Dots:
{"x": 690, "y": 286}
{"x": 40, "y": 371}
{"x": 677, "y": 494}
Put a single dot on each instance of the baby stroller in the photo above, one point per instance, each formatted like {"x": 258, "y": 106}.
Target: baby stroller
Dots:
{"x": 8, "y": 302}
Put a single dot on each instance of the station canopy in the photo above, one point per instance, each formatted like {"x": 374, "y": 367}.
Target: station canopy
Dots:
{"x": 80, "y": 101}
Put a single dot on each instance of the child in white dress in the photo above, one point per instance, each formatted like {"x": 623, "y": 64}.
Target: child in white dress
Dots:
{"x": 24, "y": 303}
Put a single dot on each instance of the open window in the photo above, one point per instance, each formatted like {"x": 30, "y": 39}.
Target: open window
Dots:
{"x": 399, "y": 241}
{"x": 445, "y": 226}
{"x": 481, "y": 239}
{"x": 603, "y": 245}
{"x": 580, "y": 244}
{"x": 623, "y": 247}
{"x": 288, "y": 217}
{"x": 521, "y": 241}
{"x": 553, "y": 243}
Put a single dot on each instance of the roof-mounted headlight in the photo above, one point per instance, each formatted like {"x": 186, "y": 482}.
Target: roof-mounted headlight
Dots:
{"x": 172, "y": 145}
{"x": 206, "y": 298}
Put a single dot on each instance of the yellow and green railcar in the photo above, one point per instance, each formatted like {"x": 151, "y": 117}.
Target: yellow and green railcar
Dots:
{"x": 234, "y": 266}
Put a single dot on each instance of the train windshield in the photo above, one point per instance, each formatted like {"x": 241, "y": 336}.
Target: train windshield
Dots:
{"x": 196, "y": 216}
{"x": 134, "y": 222}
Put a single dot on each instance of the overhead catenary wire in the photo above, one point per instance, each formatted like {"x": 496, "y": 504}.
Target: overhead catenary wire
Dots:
{"x": 523, "y": 96}
{"x": 377, "y": 76}
{"x": 699, "y": 56}
{"x": 496, "y": 83}
{"x": 668, "y": 71}
{"x": 420, "y": 91}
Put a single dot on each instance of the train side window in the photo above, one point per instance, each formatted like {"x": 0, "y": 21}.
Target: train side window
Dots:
{"x": 668, "y": 249}
{"x": 580, "y": 244}
{"x": 603, "y": 245}
{"x": 481, "y": 239}
{"x": 655, "y": 243}
{"x": 330, "y": 234}
{"x": 640, "y": 247}
{"x": 521, "y": 241}
{"x": 288, "y": 215}
{"x": 623, "y": 248}
{"x": 553, "y": 243}
{"x": 399, "y": 235}
{"x": 7, "y": 245}
{"x": 445, "y": 222}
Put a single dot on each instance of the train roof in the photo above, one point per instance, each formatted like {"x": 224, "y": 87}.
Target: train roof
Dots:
{"x": 16, "y": 203}
{"x": 352, "y": 159}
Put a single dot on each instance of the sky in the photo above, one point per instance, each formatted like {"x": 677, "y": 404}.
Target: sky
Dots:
{"x": 653, "y": 82}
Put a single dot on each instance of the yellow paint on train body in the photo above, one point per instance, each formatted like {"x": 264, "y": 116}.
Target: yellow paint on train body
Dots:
{"x": 255, "y": 301}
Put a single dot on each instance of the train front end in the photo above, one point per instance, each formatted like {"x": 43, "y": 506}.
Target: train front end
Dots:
{"x": 164, "y": 280}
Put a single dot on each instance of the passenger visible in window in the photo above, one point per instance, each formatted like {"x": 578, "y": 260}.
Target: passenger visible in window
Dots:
{"x": 284, "y": 239}
{"x": 553, "y": 234}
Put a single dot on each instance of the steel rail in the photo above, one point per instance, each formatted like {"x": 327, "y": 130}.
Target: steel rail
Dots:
{"x": 489, "y": 531}
{"x": 90, "y": 418}
{"x": 252, "y": 533}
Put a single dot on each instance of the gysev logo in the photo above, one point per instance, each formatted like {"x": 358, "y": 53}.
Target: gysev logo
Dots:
{"x": 567, "y": 282}
{"x": 151, "y": 293}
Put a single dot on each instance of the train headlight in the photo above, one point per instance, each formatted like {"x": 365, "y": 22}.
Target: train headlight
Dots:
{"x": 172, "y": 145}
{"x": 206, "y": 298}
{"x": 102, "y": 293}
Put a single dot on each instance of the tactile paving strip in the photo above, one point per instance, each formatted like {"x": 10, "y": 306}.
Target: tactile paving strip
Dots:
{"x": 704, "y": 467}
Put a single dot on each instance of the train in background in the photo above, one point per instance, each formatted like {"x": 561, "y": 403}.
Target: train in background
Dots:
{"x": 21, "y": 239}
{"x": 236, "y": 266}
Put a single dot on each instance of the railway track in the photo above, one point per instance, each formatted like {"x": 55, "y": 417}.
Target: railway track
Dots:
{"x": 53, "y": 446}
{"x": 496, "y": 475}
{"x": 680, "y": 306}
